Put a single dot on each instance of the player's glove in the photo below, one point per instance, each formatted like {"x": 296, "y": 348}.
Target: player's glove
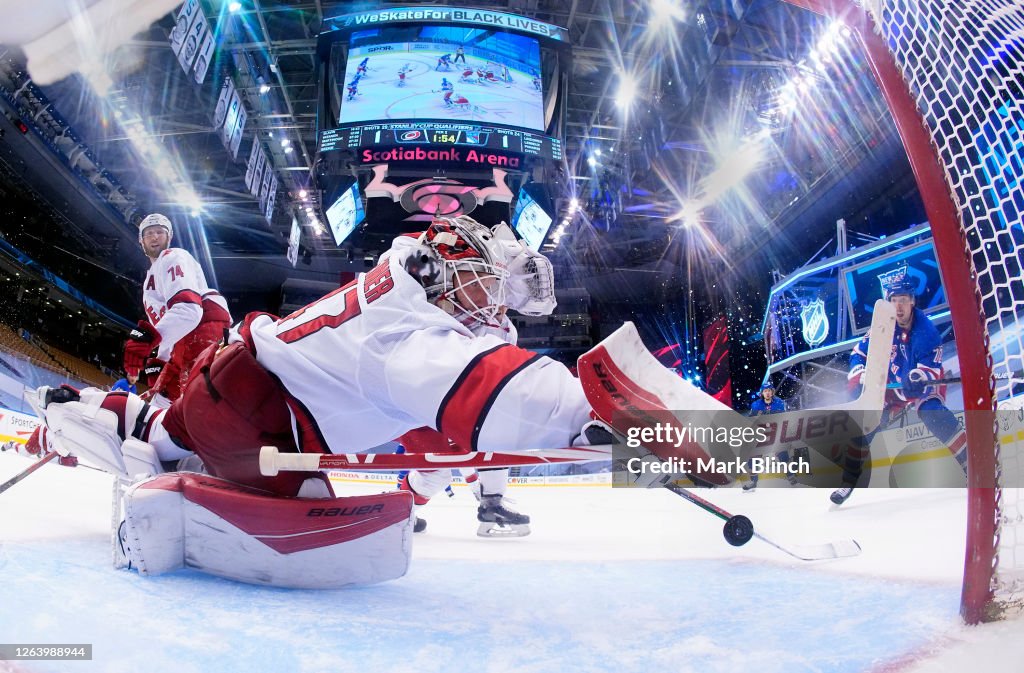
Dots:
{"x": 37, "y": 446}
{"x": 141, "y": 342}
{"x": 151, "y": 371}
{"x": 855, "y": 381}
{"x": 915, "y": 384}
{"x": 594, "y": 433}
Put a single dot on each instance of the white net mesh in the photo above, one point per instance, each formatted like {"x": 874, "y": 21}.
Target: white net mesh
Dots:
{"x": 964, "y": 63}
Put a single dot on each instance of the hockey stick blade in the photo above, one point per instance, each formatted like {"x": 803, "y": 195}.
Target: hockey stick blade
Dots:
{"x": 273, "y": 461}
{"x": 816, "y": 552}
{"x": 812, "y": 552}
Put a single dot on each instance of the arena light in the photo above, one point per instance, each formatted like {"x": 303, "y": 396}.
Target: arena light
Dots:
{"x": 626, "y": 94}
{"x": 733, "y": 168}
{"x": 154, "y": 155}
{"x": 688, "y": 215}
{"x": 234, "y": 7}
{"x": 664, "y": 11}
{"x": 303, "y": 194}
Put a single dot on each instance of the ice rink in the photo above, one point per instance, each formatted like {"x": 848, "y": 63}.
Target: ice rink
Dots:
{"x": 610, "y": 580}
{"x": 380, "y": 95}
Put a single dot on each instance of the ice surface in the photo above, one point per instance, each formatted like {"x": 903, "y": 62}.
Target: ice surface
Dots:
{"x": 610, "y": 580}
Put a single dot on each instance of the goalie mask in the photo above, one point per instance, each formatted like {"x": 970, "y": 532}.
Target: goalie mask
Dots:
{"x": 472, "y": 274}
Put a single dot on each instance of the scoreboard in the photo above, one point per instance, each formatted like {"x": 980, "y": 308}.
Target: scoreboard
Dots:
{"x": 440, "y": 134}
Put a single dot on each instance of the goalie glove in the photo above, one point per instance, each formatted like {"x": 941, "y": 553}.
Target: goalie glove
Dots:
{"x": 141, "y": 342}
{"x": 636, "y": 469}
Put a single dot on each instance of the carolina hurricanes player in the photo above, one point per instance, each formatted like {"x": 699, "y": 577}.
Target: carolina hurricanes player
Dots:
{"x": 389, "y": 352}
{"x": 184, "y": 315}
{"x": 530, "y": 291}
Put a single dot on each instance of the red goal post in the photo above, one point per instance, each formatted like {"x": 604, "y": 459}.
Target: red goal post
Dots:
{"x": 938, "y": 66}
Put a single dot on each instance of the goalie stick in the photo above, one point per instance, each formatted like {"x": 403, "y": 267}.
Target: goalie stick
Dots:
{"x": 739, "y": 530}
{"x": 273, "y": 461}
{"x": 50, "y": 455}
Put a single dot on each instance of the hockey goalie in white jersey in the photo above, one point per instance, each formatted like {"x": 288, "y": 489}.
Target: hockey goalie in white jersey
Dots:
{"x": 529, "y": 291}
{"x": 391, "y": 352}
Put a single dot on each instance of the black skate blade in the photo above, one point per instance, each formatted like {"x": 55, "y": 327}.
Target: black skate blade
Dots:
{"x": 494, "y": 529}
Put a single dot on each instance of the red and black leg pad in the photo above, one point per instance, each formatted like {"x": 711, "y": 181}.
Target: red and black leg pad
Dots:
{"x": 181, "y": 520}
{"x": 230, "y": 408}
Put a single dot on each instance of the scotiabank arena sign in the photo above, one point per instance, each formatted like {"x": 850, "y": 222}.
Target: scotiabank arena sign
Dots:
{"x": 456, "y": 155}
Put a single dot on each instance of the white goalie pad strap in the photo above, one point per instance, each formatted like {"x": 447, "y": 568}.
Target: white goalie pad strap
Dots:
{"x": 221, "y": 528}
{"x": 86, "y": 430}
{"x": 429, "y": 483}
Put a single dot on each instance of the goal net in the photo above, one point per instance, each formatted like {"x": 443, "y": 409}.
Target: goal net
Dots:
{"x": 952, "y": 74}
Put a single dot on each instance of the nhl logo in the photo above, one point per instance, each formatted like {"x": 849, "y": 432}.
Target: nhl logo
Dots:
{"x": 815, "y": 322}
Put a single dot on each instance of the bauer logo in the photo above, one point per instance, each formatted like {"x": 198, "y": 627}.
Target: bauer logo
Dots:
{"x": 411, "y": 135}
{"x": 815, "y": 322}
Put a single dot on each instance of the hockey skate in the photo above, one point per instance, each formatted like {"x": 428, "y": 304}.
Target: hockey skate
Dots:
{"x": 841, "y": 495}
{"x": 498, "y": 520}
{"x": 750, "y": 486}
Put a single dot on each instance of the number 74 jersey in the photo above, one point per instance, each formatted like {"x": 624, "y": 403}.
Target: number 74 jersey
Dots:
{"x": 175, "y": 296}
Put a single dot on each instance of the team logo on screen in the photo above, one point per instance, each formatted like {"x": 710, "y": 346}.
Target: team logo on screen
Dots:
{"x": 411, "y": 135}
{"x": 815, "y": 322}
{"x": 431, "y": 197}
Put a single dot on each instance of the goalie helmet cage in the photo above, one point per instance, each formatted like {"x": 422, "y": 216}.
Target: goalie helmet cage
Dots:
{"x": 951, "y": 73}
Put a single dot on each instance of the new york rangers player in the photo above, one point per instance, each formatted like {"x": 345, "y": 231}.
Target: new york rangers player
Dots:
{"x": 916, "y": 359}
{"x": 184, "y": 315}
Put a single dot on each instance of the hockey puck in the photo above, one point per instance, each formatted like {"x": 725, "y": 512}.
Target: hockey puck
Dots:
{"x": 738, "y": 530}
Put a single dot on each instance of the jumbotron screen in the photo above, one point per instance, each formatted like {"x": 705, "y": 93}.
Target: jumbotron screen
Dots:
{"x": 345, "y": 214}
{"x": 442, "y": 72}
{"x": 530, "y": 220}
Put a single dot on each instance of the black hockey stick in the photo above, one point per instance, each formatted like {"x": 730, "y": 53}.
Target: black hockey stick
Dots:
{"x": 28, "y": 470}
{"x": 739, "y": 530}
{"x": 1009, "y": 376}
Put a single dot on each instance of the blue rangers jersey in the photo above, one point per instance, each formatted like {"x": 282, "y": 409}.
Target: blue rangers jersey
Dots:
{"x": 760, "y": 408}
{"x": 919, "y": 348}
